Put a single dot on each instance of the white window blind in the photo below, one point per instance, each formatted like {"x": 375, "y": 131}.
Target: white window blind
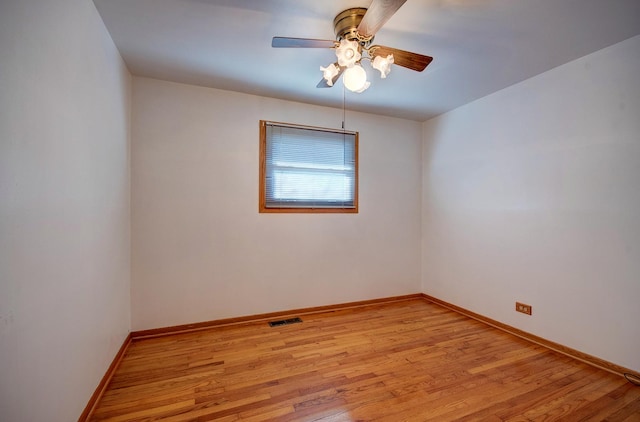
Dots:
{"x": 309, "y": 167}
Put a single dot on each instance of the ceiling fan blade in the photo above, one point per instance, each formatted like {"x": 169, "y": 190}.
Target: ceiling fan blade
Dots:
{"x": 413, "y": 61}
{"x": 323, "y": 82}
{"x": 377, "y": 14}
{"x": 285, "y": 42}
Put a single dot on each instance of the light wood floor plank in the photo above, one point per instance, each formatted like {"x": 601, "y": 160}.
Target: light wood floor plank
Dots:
{"x": 408, "y": 360}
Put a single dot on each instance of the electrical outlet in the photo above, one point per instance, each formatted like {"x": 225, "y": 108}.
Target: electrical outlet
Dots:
{"x": 525, "y": 309}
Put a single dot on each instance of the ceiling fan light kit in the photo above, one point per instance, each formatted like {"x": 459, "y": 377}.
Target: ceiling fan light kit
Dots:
{"x": 349, "y": 55}
{"x": 355, "y": 29}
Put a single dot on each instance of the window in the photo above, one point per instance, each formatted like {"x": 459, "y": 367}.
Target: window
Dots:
{"x": 307, "y": 169}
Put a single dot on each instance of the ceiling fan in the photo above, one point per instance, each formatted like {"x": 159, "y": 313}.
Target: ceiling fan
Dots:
{"x": 355, "y": 29}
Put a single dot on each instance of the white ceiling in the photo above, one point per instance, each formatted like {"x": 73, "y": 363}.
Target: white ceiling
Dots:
{"x": 479, "y": 46}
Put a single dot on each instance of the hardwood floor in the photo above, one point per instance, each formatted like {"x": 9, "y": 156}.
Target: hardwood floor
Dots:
{"x": 410, "y": 360}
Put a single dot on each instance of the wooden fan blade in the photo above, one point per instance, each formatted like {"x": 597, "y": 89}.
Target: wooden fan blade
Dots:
{"x": 323, "y": 83}
{"x": 285, "y": 42}
{"x": 377, "y": 14}
{"x": 413, "y": 61}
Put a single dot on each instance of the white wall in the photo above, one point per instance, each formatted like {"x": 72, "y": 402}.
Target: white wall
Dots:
{"x": 200, "y": 249}
{"x": 64, "y": 207}
{"x": 533, "y": 194}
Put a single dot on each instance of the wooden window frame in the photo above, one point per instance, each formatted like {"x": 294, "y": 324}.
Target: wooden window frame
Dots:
{"x": 321, "y": 210}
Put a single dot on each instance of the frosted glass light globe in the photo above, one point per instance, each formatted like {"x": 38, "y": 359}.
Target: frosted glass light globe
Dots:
{"x": 348, "y": 53}
{"x": 329, "y": 72}
{"x": 355, "y": 79}
{"x": 383, "y": 64}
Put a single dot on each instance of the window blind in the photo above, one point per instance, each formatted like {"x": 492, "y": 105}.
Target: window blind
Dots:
{"x": 309, "y": 167}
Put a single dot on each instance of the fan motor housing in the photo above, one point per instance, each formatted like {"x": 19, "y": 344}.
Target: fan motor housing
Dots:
{"x": 346, "y": 24}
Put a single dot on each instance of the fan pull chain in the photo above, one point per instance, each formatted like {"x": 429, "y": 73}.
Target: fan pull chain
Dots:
{"x": 344, "y": 113}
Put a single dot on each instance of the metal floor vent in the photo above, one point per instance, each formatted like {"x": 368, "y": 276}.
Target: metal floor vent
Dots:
{"x": 284, "y": 322}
